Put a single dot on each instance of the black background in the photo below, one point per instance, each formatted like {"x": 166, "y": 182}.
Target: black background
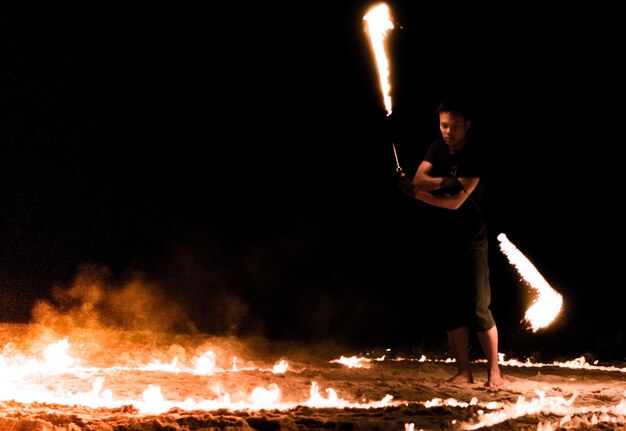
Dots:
{"x": 240, "y": 157}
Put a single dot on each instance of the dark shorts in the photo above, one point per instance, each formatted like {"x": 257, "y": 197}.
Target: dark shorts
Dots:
{"x": 463, "y": 285}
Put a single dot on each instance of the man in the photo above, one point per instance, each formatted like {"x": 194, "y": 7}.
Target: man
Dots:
{"x": 449, "y": 179}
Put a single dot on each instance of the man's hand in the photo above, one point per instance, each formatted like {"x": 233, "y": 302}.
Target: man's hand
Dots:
{"x": 406, "y": 186}
{"x": 449, "y": 186}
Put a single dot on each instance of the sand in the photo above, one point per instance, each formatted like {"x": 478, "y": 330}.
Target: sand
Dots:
{"x": 141, "y": 381}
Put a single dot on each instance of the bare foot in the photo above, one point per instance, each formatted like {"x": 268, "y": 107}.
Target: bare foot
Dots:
{"x": 495, "y": 380}
{"x": 460, "y": 379}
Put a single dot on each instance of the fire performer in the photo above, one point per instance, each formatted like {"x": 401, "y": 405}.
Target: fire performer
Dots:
{"x": 450, "y": 178}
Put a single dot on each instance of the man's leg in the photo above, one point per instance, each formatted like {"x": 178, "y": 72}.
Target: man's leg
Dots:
{"x": 459, "y": 341}
{"x": 489, "y": 342}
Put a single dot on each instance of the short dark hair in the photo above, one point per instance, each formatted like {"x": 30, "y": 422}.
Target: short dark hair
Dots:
{"x": 455, "y": 105}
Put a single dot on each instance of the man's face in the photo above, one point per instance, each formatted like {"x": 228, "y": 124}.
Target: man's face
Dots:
{"x": 453, "y": 129}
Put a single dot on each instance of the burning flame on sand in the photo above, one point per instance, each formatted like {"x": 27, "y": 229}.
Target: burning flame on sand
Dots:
{"x": 548, "y": 302}
{"x": 50, "y": 375}
{"x": 23, "y": 379}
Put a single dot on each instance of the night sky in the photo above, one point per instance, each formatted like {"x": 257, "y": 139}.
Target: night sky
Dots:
{"x": 239, "y": 157}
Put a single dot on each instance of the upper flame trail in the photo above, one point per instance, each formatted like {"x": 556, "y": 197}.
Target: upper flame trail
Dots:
{"x": 548, "y": 302}
{"x": 378, "y": 24}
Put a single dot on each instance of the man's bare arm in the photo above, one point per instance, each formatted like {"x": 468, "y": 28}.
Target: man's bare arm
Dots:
{"x": 451, "y": 202}
{"x": 423, "y": 181}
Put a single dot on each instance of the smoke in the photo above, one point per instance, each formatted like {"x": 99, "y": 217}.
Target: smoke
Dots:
{"x": 95, "y": 301}
{"x": 202, "y": 278}
{"x": 283, "y": 279}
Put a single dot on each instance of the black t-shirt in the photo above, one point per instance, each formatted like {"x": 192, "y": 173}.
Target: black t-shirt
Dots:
{"x": 466, "y": 162}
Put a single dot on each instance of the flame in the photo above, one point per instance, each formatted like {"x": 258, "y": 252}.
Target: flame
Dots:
{"x": 353, "y": 361}
{"x": 356, "y": 361}
{"x": 378, "y": 25}
{"x": 27, "y": 379}
{"x": 548, "y": 302}
{"x": 574, "y": 364}
{"x": 280, "y": 367}
{"x": 56, "y": 374}
{"x": 265, "y": 398}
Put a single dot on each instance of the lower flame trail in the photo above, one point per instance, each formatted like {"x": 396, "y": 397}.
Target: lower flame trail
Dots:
{"x": 548, "y": 302}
